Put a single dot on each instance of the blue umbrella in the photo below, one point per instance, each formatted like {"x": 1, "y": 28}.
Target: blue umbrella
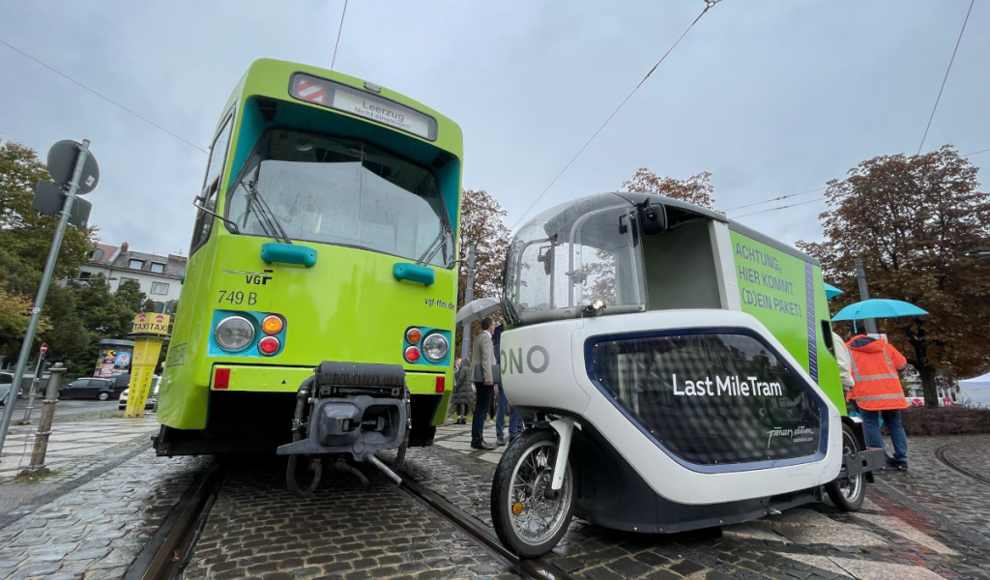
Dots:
{"x": 877, "y": 308}
{"x": 831, "y": 291}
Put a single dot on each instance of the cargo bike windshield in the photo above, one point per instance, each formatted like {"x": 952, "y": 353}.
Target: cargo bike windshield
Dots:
{"x": 563, "y": 262}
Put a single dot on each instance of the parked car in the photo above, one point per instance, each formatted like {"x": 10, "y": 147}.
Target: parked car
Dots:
{"x": 120, "y": 381}
{"x": 151, "y": 403}
{"x": 88, "y": 388}
{"x": 6, "y": 380}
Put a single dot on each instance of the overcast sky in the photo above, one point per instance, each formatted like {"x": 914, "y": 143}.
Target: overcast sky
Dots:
{"x": 772, "y": 97}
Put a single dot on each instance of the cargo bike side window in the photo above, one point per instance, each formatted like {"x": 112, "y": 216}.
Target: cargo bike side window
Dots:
{"x": 710, "y": 398}
{"x": 211, "y": 184}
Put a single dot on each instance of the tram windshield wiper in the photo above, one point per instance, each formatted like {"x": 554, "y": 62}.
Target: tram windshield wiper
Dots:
{"x": 435, "y": 246}
{"x": 266, "y": 217}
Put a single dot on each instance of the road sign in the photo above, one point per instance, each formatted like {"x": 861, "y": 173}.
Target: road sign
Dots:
{"x": 44, "y": 348}
{"x": 62, "y": 160}
{"x": 49, "y": 199}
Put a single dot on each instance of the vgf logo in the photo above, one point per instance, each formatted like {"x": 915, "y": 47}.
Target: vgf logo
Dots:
{"x": 536, "y": 359}
{"x": 259, "y": 279}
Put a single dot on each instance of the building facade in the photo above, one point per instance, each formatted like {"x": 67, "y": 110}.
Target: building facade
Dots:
{"x": 160, "y": 277}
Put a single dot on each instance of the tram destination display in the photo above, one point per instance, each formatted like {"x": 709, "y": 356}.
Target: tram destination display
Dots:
{"x": 710, "y": 399}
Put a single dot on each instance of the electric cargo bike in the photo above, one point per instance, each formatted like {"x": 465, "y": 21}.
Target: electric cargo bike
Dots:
{"x": 675, "y": 371}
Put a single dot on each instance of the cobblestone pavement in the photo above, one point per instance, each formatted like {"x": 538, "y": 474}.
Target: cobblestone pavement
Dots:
{"x": 888, "y": 539}
{"x": 74, "y": 446}
{"x": 78, "y": 452}
{"x": 95, "y": 531}
{"x": 257, "y": 529}
{"x": 943, "y": 494}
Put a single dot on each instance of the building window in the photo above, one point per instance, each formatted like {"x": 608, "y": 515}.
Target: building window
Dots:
{"x": 84, "y": 275}
{"x": 135, "y": 280}
{"x": 136, "y": 264}
{"x": 159, "y": 288}
{"x": 97, "y": 254}
{"x": 157, "y": 268}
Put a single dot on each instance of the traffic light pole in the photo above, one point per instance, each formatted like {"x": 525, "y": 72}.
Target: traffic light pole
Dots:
{"x": 39, "y": 301}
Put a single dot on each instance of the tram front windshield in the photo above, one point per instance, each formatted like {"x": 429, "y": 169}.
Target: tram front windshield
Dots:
{"x": 574, "y": 256}
{"x": 332, "y": 190}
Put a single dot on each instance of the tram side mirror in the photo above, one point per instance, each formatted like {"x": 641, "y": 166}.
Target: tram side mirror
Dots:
{"x": 652, "y": 219}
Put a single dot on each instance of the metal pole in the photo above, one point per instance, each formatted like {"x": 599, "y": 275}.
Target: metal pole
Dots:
{"x": 34, "y": 386}
{"x": 46, "y": 277}
{"x": 864, "y": 294}
{"x": 468, "y": 297}
{"x": 37, "y": 466}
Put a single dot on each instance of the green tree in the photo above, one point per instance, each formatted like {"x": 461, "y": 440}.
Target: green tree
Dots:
{"x": 130, "y": 294}
{"x": 25, "y": 232}
{"x": 916, "y": 221}
{"x": 105, "y": 314}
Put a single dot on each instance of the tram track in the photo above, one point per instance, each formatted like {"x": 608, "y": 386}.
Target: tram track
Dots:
{"x": 168, "y": 551}
{"x": 170, "y": 547}
{"x": 482, "y": 534}
{"x": 940, "y": 454}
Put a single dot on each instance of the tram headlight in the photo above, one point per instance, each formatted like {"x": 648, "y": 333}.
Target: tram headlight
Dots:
{"x": 234, "y": 333}
{"x": 435, "y": 347}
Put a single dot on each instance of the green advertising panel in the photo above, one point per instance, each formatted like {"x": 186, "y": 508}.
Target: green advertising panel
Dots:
{"x": 787, "y": 294}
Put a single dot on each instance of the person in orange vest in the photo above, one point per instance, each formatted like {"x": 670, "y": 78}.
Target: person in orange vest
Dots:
{"x": 878, "y": 391}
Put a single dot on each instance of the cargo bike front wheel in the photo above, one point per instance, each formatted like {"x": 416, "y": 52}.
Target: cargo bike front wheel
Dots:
{"x": 529, "y": 517}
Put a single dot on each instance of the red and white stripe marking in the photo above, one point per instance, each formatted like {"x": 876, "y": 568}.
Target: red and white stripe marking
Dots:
{"x": 312, "y": 92}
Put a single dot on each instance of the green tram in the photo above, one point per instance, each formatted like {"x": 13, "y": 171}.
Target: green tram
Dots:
{"x": 322, "y": 266}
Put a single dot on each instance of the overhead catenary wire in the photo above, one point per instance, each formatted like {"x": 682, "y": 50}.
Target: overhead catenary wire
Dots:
{"x": 102, "y": 96}
{"x": 946, "y": 77}
{"x": 782, "y": 197}
{"x": 885, "y": 182}
{"x": 708, "y": 6}
{"x": 340, "y": 28}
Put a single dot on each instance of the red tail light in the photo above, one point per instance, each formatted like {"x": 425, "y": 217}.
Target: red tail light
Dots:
{"x": 221, "y": 380}
{"x": 441, "y": 383}
{"x": 412, "y": 354}
{"x": 268, "y": 345}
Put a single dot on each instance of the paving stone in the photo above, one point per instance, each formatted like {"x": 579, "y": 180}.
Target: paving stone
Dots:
{"x": 687, "y": 567}
{"x": 664, "y": 575}
{"x": 602, "y": 573}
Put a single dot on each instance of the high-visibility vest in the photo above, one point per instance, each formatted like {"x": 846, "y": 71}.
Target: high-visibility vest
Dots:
{"x": 878, "y": 387}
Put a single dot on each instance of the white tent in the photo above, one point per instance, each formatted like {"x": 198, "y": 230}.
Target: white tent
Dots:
{"x": 976, "y": 392}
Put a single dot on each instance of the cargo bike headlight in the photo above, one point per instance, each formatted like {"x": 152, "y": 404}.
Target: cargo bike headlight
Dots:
{"x": 435, "y": 347}
{"x": 234, "y": 333}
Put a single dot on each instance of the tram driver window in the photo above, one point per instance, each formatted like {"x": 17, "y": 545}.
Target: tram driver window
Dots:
{"x": 211, "y": 187}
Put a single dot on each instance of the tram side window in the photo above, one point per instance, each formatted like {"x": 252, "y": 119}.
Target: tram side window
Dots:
{"x": 211, "y": 187}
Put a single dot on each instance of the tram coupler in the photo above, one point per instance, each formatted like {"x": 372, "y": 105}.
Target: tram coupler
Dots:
{"x": 355, "y": 409}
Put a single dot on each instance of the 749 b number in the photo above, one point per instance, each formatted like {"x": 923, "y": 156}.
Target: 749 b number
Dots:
{"x": 238, "y": 297}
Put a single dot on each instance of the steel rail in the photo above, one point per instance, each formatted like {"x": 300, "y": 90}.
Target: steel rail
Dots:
{"x": 951, "y": 464}
{"x": 169, "y": 549}
{"x": 481, "y": 534}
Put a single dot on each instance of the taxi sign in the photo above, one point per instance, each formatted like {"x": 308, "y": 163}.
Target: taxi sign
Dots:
{"x": 376, "y": 108}
{"x": 150, "y": 323}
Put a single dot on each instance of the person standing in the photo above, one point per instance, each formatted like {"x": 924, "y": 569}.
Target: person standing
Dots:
{"x": 482, "y": 360}
{"x": 515, "y": 423}
{"x": 844, "y": 358}
{"x": 878, "y": 391}
{"x": 461, "y": 399}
